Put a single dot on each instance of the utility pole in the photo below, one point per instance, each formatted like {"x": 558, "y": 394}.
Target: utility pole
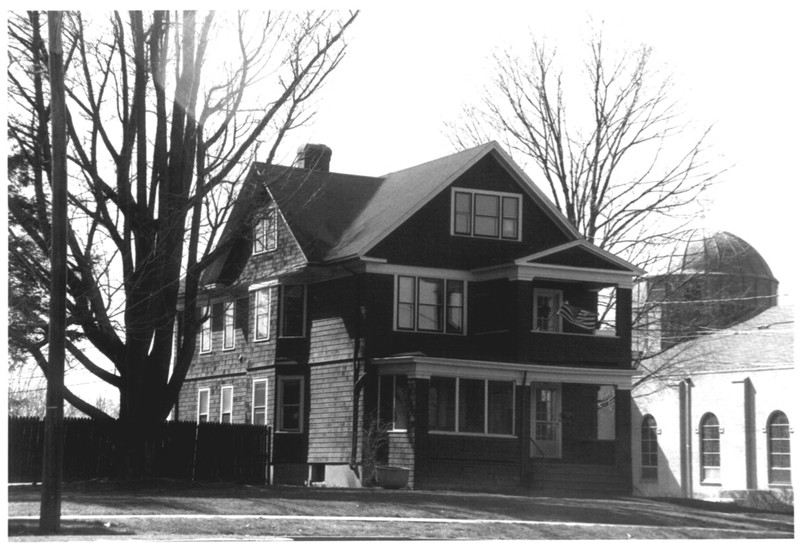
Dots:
{"x": 50, "y": 512}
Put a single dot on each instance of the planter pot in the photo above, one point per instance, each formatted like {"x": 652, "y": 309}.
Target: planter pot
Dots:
{"x": 391, "y": 477}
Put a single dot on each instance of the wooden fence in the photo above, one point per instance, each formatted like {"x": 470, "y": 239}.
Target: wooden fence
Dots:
{"x": 209, "y": 451}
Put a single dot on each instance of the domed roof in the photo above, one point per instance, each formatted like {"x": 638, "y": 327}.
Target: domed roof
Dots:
{"x": 721, "y": 253}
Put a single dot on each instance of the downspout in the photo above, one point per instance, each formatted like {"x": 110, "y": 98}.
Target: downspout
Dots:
{"x": 523, "y": 434}
{"x": 358, "y": 378}
{"x": 686, "y": 437}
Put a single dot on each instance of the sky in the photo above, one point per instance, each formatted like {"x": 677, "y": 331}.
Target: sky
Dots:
{"x": 410, "y": 69}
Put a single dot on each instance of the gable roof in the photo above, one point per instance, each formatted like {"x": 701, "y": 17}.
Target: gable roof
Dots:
{"x": 581, "y": 250}
{"x": 336, "y": 216}
{"x": 762, "y": 342}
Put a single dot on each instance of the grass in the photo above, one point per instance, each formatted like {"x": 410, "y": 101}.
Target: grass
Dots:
{"x": 514, "y": 517}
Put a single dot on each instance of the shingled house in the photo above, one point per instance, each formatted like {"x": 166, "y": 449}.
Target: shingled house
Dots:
{"x": 450, "y": 302}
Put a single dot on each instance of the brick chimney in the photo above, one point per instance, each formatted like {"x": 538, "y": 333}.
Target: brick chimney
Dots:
{"x": 314, "y": 156}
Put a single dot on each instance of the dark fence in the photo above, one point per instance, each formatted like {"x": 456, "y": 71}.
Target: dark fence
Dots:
{"x": 209, "y": 451}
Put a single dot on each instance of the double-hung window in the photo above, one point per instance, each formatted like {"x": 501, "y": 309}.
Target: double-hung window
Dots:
{"x": 293, "y": 310}
{"x": 205, "y": 330}
{"x": 393, "y": 401}
{"x": 226, "y": 404}
{"x": 473, "y": 406}
{"x": 546, "y": 303}
{"x": 203, "y": 402}
{"x": 228, "y": 328}
{"x": 259, "y": 415}
{"x": 486, "y": 214}
{"x": 265, "y": 232}
{"x": 290, "y": 404}
{"x": 430, "y": 305}
{"x": 262, "y": 313}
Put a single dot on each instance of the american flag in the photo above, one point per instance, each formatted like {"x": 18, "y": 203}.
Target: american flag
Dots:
{"x": 579, "y": 317}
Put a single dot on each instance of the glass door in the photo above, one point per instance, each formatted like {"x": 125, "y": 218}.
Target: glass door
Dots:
{"x": 546, "y": 421}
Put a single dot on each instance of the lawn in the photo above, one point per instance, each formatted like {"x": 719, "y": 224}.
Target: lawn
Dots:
{"x": 225, "y": 510}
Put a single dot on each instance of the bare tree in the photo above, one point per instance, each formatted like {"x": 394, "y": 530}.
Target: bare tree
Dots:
{"x": 613, "y": 158}
{"x": 166, "y": 111}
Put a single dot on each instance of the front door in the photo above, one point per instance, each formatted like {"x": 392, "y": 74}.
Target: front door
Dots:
{"x": 546, "y": 420}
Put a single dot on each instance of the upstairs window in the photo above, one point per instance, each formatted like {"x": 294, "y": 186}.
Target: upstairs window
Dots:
{"x": 205, "y": 330}
{"x": 546, "y": 303}
{"x": 228, "y": 329}
{"x": 293, "y": 311}
{"x": 262, "y": 314}
{"x": 430, "y": 305}
{"x": 486, "y": 214}
{"x": 265, "y": 232}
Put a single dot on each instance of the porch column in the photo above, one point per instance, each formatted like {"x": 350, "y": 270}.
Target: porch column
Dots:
{"x": 622, "y": 424}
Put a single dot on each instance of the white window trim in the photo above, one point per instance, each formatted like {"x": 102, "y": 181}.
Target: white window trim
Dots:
{"x": 501, "y": 195}
{"x": 207, "y": 406}
{"x": 394, "y": 384}
{"x": 283, "y": 379}
{"x": 268, "y": 316}
{"x": 269, "y": 218}
{"x": 416, "y": 330}
{"x": 485, "y": 432}
{"x": 205, "y": 327}
{"x": 559, "y": 325}
{"x": 283, "y": 311}
{"x": 253, "y": 401}
{"x": 222, "y": 402}
{"x": 232, "y": 305}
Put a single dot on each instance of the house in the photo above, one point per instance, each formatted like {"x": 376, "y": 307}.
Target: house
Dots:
{"x": 448, "y": 305}
{"x": 714, "y": 419}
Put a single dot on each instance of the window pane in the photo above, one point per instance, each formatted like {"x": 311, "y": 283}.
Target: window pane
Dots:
{"x": 406, "y": 299}
{"x": 386, "y": 399}
{"x": 429, "y": 310}
{"x": 291, "y": 392}
{"x": 501, "y": 407}
{"x": 486, "y": 227}
{"x": 260, "y": 402}
{"x": 463, "y": 213}
{"x": 228, "y": 327}
{"x": 293, "y": 310}
{"x": 455, "y": 306}
{"x": 442, "y": 404}
{"x": 291, "y": 408}
{"x": 510, "y": 218}
{"x": 487, "y": 215}
{"x": 546, "y": 307}
{"x": 262, "y": 314}
{"x": 471, "y": 403}
{"x": 779, "y": 445}
{"x": 400, "y": 402}
{"x": 205, "y": 330}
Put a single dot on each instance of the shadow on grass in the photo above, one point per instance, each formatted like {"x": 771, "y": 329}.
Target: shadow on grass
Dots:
{"x": 18, "y": 528}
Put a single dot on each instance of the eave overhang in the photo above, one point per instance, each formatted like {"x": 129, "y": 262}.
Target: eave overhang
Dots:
{"x": 419, "y": 366}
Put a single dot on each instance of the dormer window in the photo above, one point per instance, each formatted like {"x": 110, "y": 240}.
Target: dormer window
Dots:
{"x": 265, "y": 232}
{"x": 486, "y": 214}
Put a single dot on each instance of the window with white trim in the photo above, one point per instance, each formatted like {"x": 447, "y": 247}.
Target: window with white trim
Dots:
{"x": 472, "y": 406}
{"x": 226, "y": 404}
{"x": 205, "y": 330}
{"x": 290, "y": 403}
{"x": 293, "y": 311}
{"x": 486, "y": 214}
{"x": 649, "y": 448}
{"x": 546, "y": 303}
{"x": 779, "y": 449}
{"x": 259, "y": 415}
{"x": 265, "y": 232}
{"x": 709, "y": 449}
{"x": 425, "y": 304}
{"x": 228, "y": 328}
{"x": 393, "y": 401}
{"x": 203, "y": 402}
{"x": 262, "y": 313}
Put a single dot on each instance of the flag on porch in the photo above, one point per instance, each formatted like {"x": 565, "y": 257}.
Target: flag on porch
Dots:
{"x": 579, "y": 317}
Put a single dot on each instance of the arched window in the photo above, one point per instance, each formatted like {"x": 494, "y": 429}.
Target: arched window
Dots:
{"x": 649, "y": 448}
{"x": 709, "y": 449}
{"x": 780, "y": 469}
